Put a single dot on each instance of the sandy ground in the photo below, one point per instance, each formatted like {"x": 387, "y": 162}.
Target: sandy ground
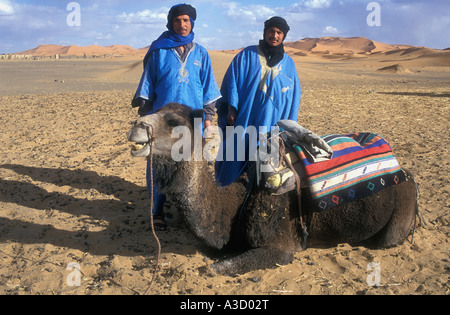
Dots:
{"x": 72, "y": 197}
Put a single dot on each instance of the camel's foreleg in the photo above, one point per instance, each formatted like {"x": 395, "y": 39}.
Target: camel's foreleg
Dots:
{"x": 257, "y": 258}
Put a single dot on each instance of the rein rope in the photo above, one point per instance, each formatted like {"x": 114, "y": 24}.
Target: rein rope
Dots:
{"x": 304, "y": 227}
{"x": 150, "y": 158}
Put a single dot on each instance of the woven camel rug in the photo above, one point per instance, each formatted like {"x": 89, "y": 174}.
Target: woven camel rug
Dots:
{"x": 362, "y": 165}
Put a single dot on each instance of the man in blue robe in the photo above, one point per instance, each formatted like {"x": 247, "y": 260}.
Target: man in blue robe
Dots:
{"x": 260, "y": 87}
{"x": 176, "y": 70}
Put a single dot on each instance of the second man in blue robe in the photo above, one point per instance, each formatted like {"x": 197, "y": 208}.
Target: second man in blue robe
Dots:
{"x": 260, "y": 87}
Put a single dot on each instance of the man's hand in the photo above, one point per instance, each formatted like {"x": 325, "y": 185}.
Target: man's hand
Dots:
{"x": 208, "y": 129}
{"x": 232, "y": 114}
{"x": 145, "y": 107}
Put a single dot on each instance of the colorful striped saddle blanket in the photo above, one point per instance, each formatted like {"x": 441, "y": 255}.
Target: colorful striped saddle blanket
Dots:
{"x": 362, "y": 165}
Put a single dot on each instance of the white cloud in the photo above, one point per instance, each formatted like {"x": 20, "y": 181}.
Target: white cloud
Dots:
{"x": 101, "y": 36}
{"x": 330, "y": 30}
{"x": 318, "y": 4}
{"x": 27, "y": 18}
{"x": 248, "y": 14}
{"x": 144, "y": 17}
{"x": 6, "y": 8}
{"x": 93, "y": 7}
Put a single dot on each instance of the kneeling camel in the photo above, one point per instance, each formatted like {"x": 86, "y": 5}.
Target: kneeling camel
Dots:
{"x": 268, "y": 231}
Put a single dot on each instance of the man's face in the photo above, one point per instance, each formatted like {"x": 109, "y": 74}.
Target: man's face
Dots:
{"x": 182, "y": 25}
{"x": 274, "y": 36}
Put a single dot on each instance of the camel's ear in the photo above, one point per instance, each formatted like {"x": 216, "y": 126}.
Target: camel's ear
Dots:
{"x": 198, "y": 113}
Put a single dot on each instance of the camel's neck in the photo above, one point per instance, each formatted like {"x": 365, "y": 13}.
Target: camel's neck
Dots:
{"x": 208, "y": 210}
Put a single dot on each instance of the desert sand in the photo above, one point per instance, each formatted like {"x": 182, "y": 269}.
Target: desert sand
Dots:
{"x": 71, "y": 195}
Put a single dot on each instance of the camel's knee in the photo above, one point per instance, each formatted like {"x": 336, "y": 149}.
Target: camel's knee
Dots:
{"x": 403, "y": 220}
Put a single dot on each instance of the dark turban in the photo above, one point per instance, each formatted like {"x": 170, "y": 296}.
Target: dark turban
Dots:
{"x": 278, "y": 22}
{"x": 181, "y": 9}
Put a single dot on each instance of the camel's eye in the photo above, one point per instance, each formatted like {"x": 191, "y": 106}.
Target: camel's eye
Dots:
{"x": 173, "y": 120}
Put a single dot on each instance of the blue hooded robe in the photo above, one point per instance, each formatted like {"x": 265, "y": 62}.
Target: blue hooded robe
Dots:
{"x": 167, "y": 78}
{"x": 262, "y": 96}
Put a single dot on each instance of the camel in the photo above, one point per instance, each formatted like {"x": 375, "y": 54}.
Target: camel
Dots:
{"x": 267, "y": 233}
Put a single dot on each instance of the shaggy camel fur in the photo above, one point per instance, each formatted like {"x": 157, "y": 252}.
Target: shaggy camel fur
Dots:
{"x": 268, "y": 232}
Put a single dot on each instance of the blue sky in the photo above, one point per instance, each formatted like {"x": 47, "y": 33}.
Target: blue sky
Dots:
{"x": 221, "y": 24}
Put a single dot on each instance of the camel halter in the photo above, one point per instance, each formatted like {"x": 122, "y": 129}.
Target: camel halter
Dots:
{"x": 150, "y": 159}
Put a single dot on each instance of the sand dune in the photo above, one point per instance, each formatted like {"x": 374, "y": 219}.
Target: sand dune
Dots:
{"x": 74, "y": 50}
{"x": 420, "y": 56}
{"x": 395, "y": 69}
{"x": 362, "y": 48}
{"x": 330, "y": 45}
{"x": 334, "y": 45}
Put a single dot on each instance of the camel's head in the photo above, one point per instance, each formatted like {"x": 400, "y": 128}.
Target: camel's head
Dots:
{"x": 157, "y": 129}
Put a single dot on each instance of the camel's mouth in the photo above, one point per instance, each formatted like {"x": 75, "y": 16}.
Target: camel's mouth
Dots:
{"x": 139, "y": 137}
{"x": 140, "y": 149}
{"x": 138, "y": 146}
